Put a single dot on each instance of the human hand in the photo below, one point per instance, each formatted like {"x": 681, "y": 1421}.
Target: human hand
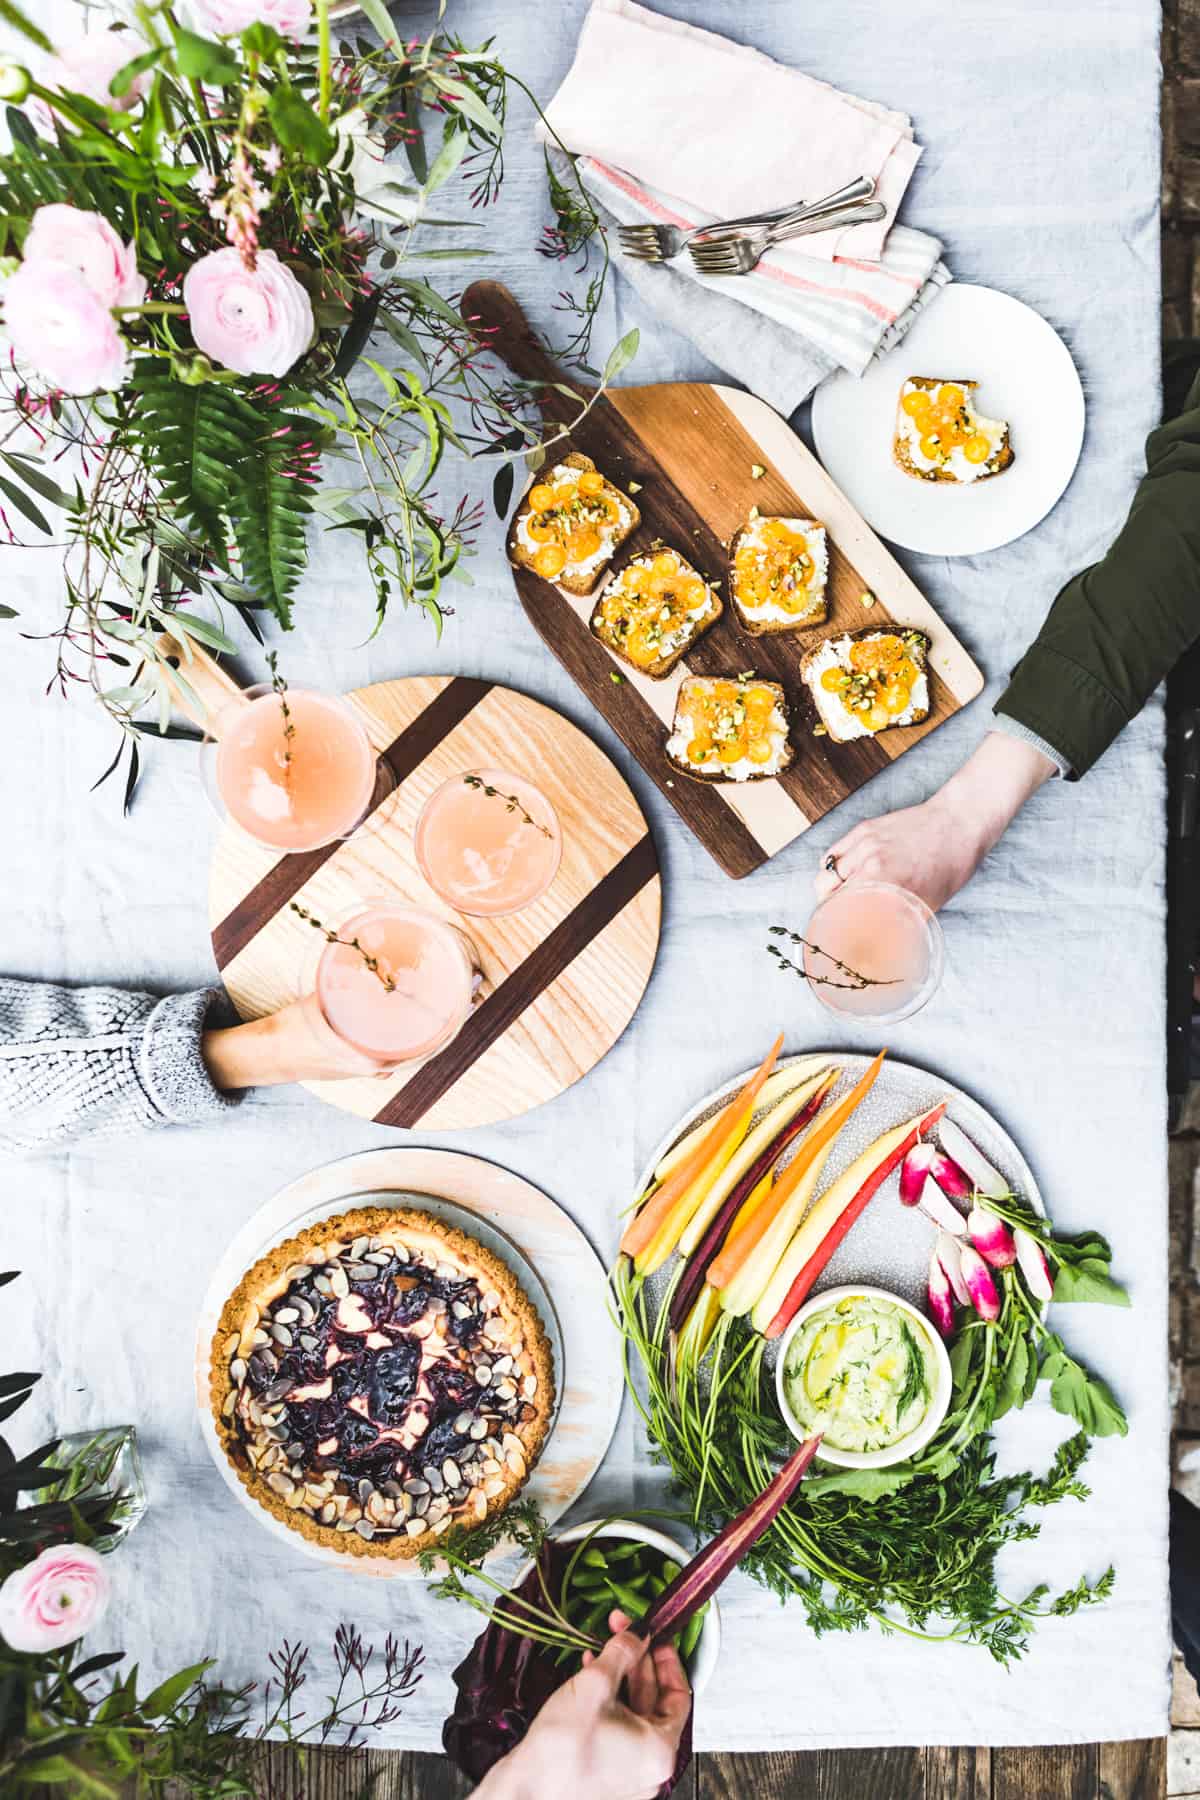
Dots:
{"x": 933, "y": 849}
{"x": 590, "y": 1743}
{"x": 294, "y": 1044}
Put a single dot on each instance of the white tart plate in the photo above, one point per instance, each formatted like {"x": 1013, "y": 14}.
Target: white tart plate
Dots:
{"x": 1025, "y": 375}
{"x": 542, "y": 1245}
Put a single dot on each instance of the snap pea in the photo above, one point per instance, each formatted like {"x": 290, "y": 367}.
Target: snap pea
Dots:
{"x": 670, "y": 1571}
{"x": 594, "y": 1559}
{"x": 691, "y": 1634}
{"x": 630, "y": 1600}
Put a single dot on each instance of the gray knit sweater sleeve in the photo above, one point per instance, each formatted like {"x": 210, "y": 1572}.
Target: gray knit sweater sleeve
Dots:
{"x": 98, "y": 1060}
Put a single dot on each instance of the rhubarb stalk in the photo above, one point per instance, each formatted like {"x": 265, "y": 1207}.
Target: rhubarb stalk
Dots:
{"x": 699, "y": 1581}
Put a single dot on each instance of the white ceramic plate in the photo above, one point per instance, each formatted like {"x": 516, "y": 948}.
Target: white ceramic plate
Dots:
{"x": 518, "y": 1223}
{"x": 890, "y": 1245}
{"x": 1025, "y": 375}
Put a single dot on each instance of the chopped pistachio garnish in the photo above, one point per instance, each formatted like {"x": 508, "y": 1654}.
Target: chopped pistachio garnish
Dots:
{"x": 615, "y": 677}
{"x": 820, "y": 731}
{"x": 635, "y": 487}
{"x": 867, "y": 599}
{"x": 757, "y": 471}
{"x": 754, "y": 513}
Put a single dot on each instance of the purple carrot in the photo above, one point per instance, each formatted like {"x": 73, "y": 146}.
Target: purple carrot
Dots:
{"x": 699, "y": 1581}
{"x": 692, "y": 1279}
{"x": 991, "y": 1237}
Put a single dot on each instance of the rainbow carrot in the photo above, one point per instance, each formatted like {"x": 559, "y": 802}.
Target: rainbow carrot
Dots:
{"x": 733, "y": 1255}
{"x": 654, "y": 1214}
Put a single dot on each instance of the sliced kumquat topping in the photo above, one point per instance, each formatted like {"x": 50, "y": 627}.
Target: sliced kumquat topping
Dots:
{"x": 732, "y": 749}
{"x": 760, "y": 750}
{"x": 977, "y": 449}
{"x": 876, "y": 717}
{"x": 916, "y": 403}
{"x": 700, "y": 747}
{"x": 931, "y": 448}
{"x": 550, "y": 561}
{"x": 951, "y": 396}
{"x": 896, "y": 698}
{"x": 540, "y": 530}
{"x": 591, "y": 482}
{"x": 665, "y": 563}
{"x": 542, "y": 497}
{"x": 834, "y": 679}
{"x": 585, "y": 542}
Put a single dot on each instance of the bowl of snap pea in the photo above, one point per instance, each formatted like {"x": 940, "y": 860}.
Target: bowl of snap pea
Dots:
{"x": 622, "y": 1564}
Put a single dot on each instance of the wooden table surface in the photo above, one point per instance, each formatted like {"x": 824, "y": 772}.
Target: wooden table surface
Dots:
{"x": 1134, "y": 1771}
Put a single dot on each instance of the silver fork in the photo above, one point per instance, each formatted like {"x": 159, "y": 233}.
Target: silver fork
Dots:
{"x": 660, "y": 243}
{"x": 740, "y": 252}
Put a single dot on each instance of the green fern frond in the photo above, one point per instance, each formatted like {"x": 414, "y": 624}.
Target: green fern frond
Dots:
{"x": 199, "y": 442}
{"x": 270, "y": 511}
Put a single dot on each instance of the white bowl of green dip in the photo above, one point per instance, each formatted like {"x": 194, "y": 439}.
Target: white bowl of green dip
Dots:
{"x": 868, "y": 1371}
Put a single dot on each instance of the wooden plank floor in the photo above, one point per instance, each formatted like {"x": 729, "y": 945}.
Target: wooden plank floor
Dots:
{"x": 1136, "y": 1771}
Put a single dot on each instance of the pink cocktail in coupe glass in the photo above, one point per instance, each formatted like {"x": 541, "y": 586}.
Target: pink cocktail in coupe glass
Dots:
{"x": 890, "y": 946}
{"x": 413, "y": 994}
{"x": 291, "y": 783}
{"x": 488, "y": 842}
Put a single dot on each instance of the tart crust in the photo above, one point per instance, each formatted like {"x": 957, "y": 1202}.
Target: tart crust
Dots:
{"x": 523, "y": 1338}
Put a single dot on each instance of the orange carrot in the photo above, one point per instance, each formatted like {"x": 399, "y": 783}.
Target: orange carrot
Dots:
{"x": 752, "y": 1205}
{"x": 646, "y": 1223}
{"x": 734, "y": 1254}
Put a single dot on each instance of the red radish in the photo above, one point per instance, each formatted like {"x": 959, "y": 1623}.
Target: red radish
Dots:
{"x": 949, "y": 1176}
{"x": 948, "y": 1254}
{"x": 941, "y": 1299}
{"x": 1031, "y": 1261}
{"x": 692, "y": 1279}
{"x": 985, "y": 1296}
{"x": 991, "y": 1237}
{"x": 941, "y": 1211}
{"x": 984, "y": 1178}
{"x": 702, "y": 1577}
{"x": 802, "y": 1286}
{"x": 914, "y": 1171}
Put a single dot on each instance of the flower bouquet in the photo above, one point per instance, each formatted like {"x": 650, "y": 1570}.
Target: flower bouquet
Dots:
{"x": 205, "y": 232}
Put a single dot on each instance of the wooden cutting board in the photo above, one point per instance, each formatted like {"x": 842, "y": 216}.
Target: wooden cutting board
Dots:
{"x": 691, "y": 448}
{"x": 562, "y": 977}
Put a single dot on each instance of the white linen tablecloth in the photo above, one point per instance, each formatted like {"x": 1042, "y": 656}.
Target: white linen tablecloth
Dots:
{"x": 1041, "y": 172}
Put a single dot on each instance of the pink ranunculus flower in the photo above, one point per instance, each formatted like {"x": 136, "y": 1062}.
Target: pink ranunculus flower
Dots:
{"x": 87, "y": 242}
{"x": 61, "y": 329}
{"x": 54, "y": 1599}
{"x": 291, "y": 18}
{"x": 86, "y": 66}
{"x": 255, "y": 321}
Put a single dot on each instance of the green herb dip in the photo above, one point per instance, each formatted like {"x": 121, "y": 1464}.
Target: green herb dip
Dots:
{"x": 862, "y": 1371}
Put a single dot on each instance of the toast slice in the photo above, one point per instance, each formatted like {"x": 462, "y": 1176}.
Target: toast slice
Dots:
{"x": 866, "y": 681}
{"x": 653, "y": 610}
{"x": 778, "y": 574}
{"x": 730, "y": 728}
{"x": 941, "y": 437}
{"x": 571, "y": 524}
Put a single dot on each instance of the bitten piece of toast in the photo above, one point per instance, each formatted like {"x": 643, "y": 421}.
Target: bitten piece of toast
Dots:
{"x": 570, "y": 525}
{"x": 941, "y": 437}
{"x": 778, "y": 571}
{"x": 653, "y": 610}
{"x": 730, "y": 728}
{"x": 868, "y": 680}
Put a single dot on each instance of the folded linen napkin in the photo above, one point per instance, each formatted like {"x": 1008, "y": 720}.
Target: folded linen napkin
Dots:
{"x": 745, "y": 133}
{"x": 848, "y": 308}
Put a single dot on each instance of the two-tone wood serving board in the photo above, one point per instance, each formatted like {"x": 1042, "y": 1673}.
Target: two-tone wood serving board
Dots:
{"x": 691, "y": 449}
{"x": 562, "y": 977}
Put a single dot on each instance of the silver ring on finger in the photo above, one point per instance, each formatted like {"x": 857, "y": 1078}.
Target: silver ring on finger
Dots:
{"x": 831, "y": 867}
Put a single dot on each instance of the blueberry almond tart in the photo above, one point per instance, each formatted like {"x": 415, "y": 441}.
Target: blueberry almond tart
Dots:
{"x": 378, "y": 1378}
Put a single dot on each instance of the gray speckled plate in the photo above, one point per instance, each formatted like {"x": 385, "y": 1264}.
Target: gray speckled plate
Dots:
{"x": 890, "y": 1244}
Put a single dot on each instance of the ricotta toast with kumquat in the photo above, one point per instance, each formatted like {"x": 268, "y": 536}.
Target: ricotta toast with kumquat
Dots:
{"x": 653, "y": 610}
{"x": 778, "y": 570}
{"x": 941, "y": 437}
{"x": 730, "y": 728}
{"x": 868, "y": 680}
{"x": 570, "y": 525}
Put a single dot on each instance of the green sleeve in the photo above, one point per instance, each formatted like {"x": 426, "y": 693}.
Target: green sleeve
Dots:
{"x": 1117, "y": 629}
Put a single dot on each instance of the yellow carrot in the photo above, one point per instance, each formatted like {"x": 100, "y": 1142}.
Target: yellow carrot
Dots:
{"x": 646, "y": 1223}
{"x": 740, "y": 1294}
{"x": 779, "y": 1086}
{"x": 751, "y": 1146}
{"x": 752, "y": 1205}
{"x": 826, "y": 1128}
{"x": 693, "y": 1197}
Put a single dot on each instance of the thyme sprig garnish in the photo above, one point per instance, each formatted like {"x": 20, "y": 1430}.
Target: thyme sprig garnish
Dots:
{"x": 512, "y": 804}
{"x": 857, "y": 980}
{"x": 280, "y": 687}
{"x": 332, "y": 937}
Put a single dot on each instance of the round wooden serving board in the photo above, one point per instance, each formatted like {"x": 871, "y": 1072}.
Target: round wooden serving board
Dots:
{"x": 509, "y": 1211}
{"x": 562, "y": 978}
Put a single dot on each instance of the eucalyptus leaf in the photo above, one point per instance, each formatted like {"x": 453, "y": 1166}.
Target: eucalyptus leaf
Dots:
{"x": 445, "y": 163}
{"x": 9, "y": 612}
{"x": 25, "y": 505}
